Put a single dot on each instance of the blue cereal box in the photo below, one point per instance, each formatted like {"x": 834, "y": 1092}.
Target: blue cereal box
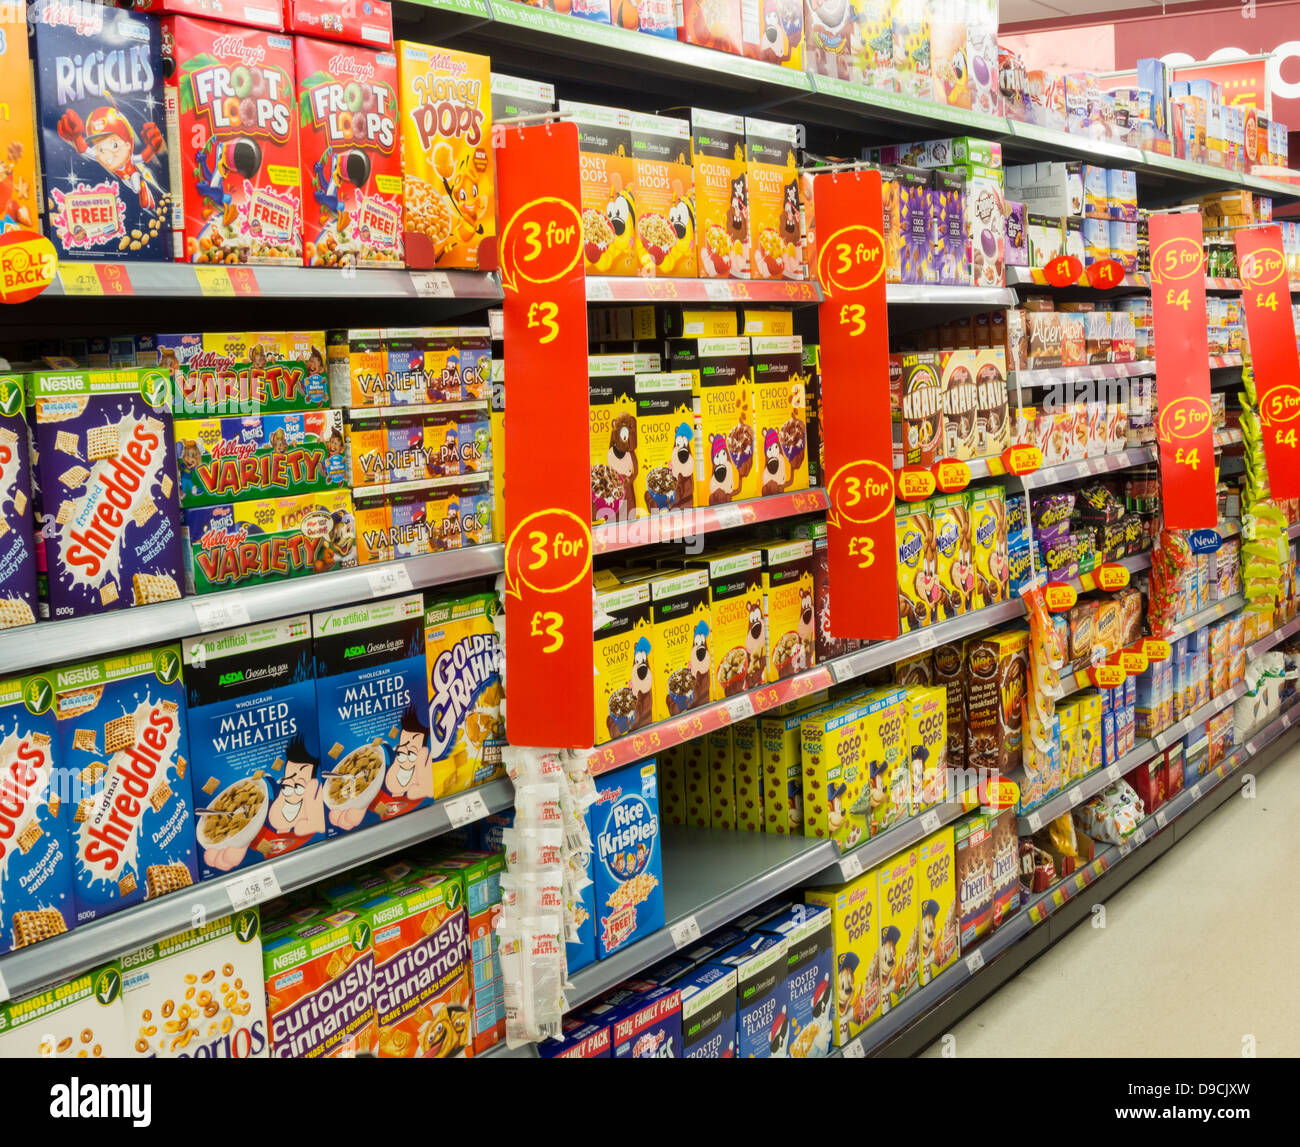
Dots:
{"x": 111, "y": 528}
{"x": 17, "y": 545}
{"x": 708, "y": 1012}
{"x": 251, "y": 717}
{"x": 650, "y": 1027}
{"x": 762, "y": 999}
{"x": 582, "y": 1039}
{"x": 99, "y": 107}
{"x": 810, "y": 939}
{"x": 122, "y": 734}
{"x": 35, "y": 860}
{"x": 370, "y": 707}
{"x": 628, "y": 859}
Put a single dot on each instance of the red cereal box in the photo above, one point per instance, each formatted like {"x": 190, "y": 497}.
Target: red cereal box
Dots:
{"x": 232, "y": 127}
{"x": 369, "y": 22}
{"x": 255, "y": 13}
{"x": 351, "y": 155}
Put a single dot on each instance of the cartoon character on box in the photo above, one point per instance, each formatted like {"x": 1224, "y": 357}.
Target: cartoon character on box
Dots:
{"x": 296, "y": 815}
{"x": 831, "y": 27}
{"x": 724, "y": 479}
{"x": 782, "y": 31}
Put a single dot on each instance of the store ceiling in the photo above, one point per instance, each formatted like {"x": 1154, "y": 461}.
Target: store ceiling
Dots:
{"x": 1018, "y": 11}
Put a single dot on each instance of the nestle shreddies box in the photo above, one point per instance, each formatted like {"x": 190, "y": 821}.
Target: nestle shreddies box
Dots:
{"x": 251, "y": 719}
{"x": 99, "y": 96}
{"x": 628, "y": 860}
{"x": 18, "y": 600}
{"x": 198, "y": 994}
{"x": 370, "y": 692}
{"x": 35, "y": 860}
{"x": 111, "y": 530}
{"x": 122, "y": 731}
{"x": 82, "y": 1018}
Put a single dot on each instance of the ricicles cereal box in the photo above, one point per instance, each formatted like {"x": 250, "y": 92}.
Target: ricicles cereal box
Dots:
{"x": 99, "y": 94}
{"x": 665, "y": 196}
{"x": 679, "y": 606}
{"x": 900, "y": 937}
{"x": 198, "y": 994}
{"x": 122, "y": 731}
{"x": 446, "y": 130}
{"x": 624, "y": 662}
{"x": 627, "y": 856}
{"x": 251, "y": 718}
{"x": 351, "y": 162}
{"x": 788, "y": 608}
{"x": 370, "y": 695}
{"x": 809, "y": 933}
{"x": 721, "y": 194}
{"x": 775, "y": 250}
{"x": 855, "y": 1002}
{"x": 779, "y": 388}
{"x": 19, "y": 188}
{"x": 18, "y": 589}
{"x": 251, "y": 372}
{"x": 665, "y": 441}
{"x": 82, "y": 1018}
{"x": 232, "y": 135}
{"x": 937, "y": 892}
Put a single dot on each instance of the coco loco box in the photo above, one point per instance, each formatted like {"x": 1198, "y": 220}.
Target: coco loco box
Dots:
{"x": 18, "y": 601}
{"x": 122, "y": 733}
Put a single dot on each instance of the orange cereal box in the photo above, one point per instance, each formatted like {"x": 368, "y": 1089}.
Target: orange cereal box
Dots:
{"x": 772, "y": 180}
{"x": 665, "y": 196}
{"x": 445, "y": 109}
{"x": 19, "y": 206}
{"x": 608, "y": 177}
{"x": 721, "y": 194}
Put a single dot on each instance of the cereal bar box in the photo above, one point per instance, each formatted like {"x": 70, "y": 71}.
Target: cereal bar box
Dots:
{"x": 628, "y": 857}
{"x": 18, "y": 599}
{"x": 246, "y": 373}
{"x": 232, "y": 138}
{"x": 370, "y": 696}
{"x": 855, "y": 1002}
{"x": 251, "y": 717}
{"x": 19, "y": 188}
{"x": 198, "y": 994}
{"x": 900, "y": 937}
{"x": 351, "y": 155}
{"x": 112, "y": 534}
{"x": 721, "y": 194}
{"x": 809, "y": 933}
{"x": 940, "y": 924}
{"x": 121, "y": 731}
{"x": 99, "y": 98}
{"x": 35, "y": 859}
{"x": 82, "y": 1018}
{"x": 449, "y": 205}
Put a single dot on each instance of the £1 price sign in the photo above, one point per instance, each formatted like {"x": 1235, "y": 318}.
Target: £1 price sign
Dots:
{"x": 1185, "y": 426}
{"x": 1266, "y": 301}
{"x": 547, "y": 512}
{"x": 858, "y": 440}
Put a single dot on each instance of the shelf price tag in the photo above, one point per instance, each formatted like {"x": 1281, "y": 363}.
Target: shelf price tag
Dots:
{"x": 930, "y": 822}
{"x": 432, "y": 284}
{"x": 215, "y": 282}
{"x": 915, "y": 484}
{"x": 1112, "y": 576}
{"x": 739, "y": 708}
{"x": 115, "y": 278}
{"x": 1112, "y": 773}
{"x": 1161, "y": 818}
{"x": 854, "y": 1050}
{"x": 974, "y": 962}
{"x": 220, "y": 613}
{"x": 850, "y": 866}
{"x": 252, "y": 888}
{"x": 80, "y": 279}
{"x": 1060, "y": 596}
{"x": 1076, "y": 797}
{"x": 1106, "y": 274}
{"x": 685, "y": 932}
{"x": 389, "y": 579}
{"x": 1063, "y": 271}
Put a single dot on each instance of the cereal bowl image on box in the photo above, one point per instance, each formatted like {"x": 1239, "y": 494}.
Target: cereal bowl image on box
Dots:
{"x": 628, "y": 860}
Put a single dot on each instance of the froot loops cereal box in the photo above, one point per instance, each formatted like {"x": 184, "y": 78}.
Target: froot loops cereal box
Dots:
{"x": 628, "y": 859}
{"x": 80, "y": 1019}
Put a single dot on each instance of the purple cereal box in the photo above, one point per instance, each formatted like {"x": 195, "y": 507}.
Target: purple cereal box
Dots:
{"x": 948, "y": 227}
{"x": 105, "y": 466}
{"x": 1017, "y": 238}
{"x": 17, "y": 546}
{"x": 914, "y": 212}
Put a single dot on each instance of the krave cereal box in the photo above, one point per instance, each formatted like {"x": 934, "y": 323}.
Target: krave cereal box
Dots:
{"x": 19, "y": 188}
{"x": 18, "y": 601}
{"x": 628, "y": 858}
{"x": 82, "y": 1018}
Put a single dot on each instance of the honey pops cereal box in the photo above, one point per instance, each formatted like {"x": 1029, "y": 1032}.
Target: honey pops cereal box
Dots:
{"x": 82, "y": 1018}
{"x": 232, "y": 137}
{"x": 19, "y": 188}
{"x": 940, "y": 925}
{"x": 198, "y": 994}
{"x": 900, "y": 937}
{"x": 855, "y": 1000}
{"x": 18, "y": 588}
{"x": 628, "y": 859}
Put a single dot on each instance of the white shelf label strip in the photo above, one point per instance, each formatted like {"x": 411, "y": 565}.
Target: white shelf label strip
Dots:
{"x": 257, "y": 885}
{"x": 389, "y": 579}
{"x": 212, "y": 615}
{"x": 974, "y": 962}
{"x": 685, "y": 932}
{"x": 463, "y": 810}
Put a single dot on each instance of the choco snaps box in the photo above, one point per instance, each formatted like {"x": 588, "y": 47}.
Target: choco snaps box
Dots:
{"x": 251, "y": 719}
{"x": 111, "y": 533}
{"x": 81, "y": 1018}
{"x": 99, "y": 100}
{"x": 627, "y": 858}
{"x": 18, "y": 602}
{"x": 122, "y": 732}
{"x": 370, "y": 695}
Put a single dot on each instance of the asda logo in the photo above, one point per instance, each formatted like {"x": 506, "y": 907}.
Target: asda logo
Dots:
{"x": 233, "y": 678}
{"x": 354, "y": 651}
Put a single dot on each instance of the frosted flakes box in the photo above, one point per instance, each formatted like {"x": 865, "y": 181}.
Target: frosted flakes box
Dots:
{"x": 251, "y": 718}
{"x": 18, "y": 597}
{"x": 762, "y": 996}
{"x": 81, "y": 1018}
{"x": 628, "y": 858}
{"x": 253, "y": 372}
{"x": 198, "y": 994}
{"x": 121, "y": 731}
{"x": 99, "y": 99}
{"x": 809, "y": 933}
{"x": 112, "y": 531}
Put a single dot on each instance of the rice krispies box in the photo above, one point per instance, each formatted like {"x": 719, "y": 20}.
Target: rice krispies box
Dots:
{"x": 18, "y": 601}
{"x": 232, "y": 135}
{"x": 82, "y": 1018}
{"x": 122, "y": 732}
{"x": 99, "y": 98}
{"x": 628, "y": 859}
{"x": 111, "y": 529}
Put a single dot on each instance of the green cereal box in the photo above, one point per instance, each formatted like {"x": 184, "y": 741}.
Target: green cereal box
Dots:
{"x": 746, "y": 759}
{"x": 885, "y": 749}
{"x": 679, "y": 606}
{"x": 927, "y": 738}
{"x": 722, "y": 778}
{"x": 780, "y": 412}
{"x": 900, "y": 938}
{"x": 624, "y": 661}
{"x": 856, "y": 929}
{"x": 835, "y": 775}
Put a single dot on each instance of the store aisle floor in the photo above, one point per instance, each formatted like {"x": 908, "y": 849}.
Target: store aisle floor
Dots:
{"x": 1196, "y": 953}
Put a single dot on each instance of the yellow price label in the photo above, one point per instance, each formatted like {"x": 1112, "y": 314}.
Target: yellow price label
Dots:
{"x": 548, "y": 624}
{"x": 215, "y": 282}
{"x": 543, "y": 316}
{"x": 80, "y": 279}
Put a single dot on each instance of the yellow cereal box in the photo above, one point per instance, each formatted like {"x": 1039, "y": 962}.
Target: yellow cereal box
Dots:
{"x": 768, "y": 321}
{"x": 665, "y": 196}
{"x": 1090, "y": 711}
{"x": 919, "y": 592}
{"x": 680, "y": 614}
{"x": 726, "y": 469}
{"x": 613, "y": 431}
{"x": 722, "y": 778}
{"x": 624, "y": 662}
{"x": 695, "y": 770}
{"x": 853, "y": 908}
{"x": 782, "y": 760}
{"x": 672, "y": 785}
{"x": 788, "y": 604}
{"x": 950, "y": 520}
{"x": 927, "y": 737}
{"x": 988, "y": 524}
{"x": 19, "y": 202}
{"x": 885, "y": 747}
{"x": 775, "y": 245}
{"x": 779, "y": 387}
{"x": 665, "y": 441}
{"x": 721, "y": 195}
{"x": 746, "y": 760}
{"x": 608, "y": 181}
{"x": 940, "y": 926}
{"x": 738, "y": 627}
{"x": 836, "y": 779}
{"x": 900, "y": 936}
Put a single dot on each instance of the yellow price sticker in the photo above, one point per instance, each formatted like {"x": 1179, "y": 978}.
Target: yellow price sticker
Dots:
{"x": 215, "y": 282}
{"x": 80, "y": 279}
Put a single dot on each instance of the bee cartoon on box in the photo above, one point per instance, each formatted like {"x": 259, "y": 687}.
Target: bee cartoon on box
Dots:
{"x": 681, "y": 218}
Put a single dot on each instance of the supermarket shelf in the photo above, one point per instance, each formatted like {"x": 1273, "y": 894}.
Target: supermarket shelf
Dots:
{"x": 50, "y": 642}
{"x": 935, "y": 295}
{"x": 1035, "y": 277}
{"x": 1224, "y": 361}
{"x": 1088, "y": 467}
{"x": 1264, "y": 644}
{"x": 612, "y": 289}
{"x": 1055, "y": 375}
{"x": 1205, "y": 616}
{"x": 1293, "y": 531}
{"x": 1075, "y": 794}
{"x": 1179, "y": 729}
{"x": 679, "y": 525}
{"x": 1227, "y": 438}
{"x": 65, "y": 956}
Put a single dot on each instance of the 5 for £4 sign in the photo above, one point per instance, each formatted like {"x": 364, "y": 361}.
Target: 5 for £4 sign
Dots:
{"x": 548, "y": 538}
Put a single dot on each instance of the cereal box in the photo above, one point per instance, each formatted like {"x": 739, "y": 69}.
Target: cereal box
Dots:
{"x": 900, "y": 928}
{"x": 624, "y": 645}
{"x": 888, "y": 758}
{"x": 746, "y": 759}
{"x": 466, "y": 718}
{"x": 722, "y": 778}
{"x": 257, "y": 372}
{"x": 341, "y": 20}
{"x": 665, "y": 196}
{"x": 1006, "y": 866}
{"x": 922, "y": 406}
{"x": 381, "y": 450}
{"x": 628, "y": 858}
{"x": 973, "y": 844}
{"x": 609, "y": 208}
{"x": 912, "y": 62}
{"x": 855, "y": 1002}
{"x": 950, "y": 520}
{"x": 960, "y": 404}
{"x": 778, "y": 386}
{"x": 251, "y": 718}
{"x": 512, "y": 96}
{"x": 18, "y": 557}
{"x": 612, "y": 425}
{"x": 775, "y": 250}
{"x": 708, "y": 997}
{"x": 940, "y": 928}
{"x": 679, "y": 604}
{"x": 738, "y": 624}
{"x": 809, "y": 933}
{"x": 762, "y": 996}
{"x": 19, "y": 189}
{"x": 727, "y": 469}
{"x": 99, "y": 93}
{"x": 788, "y": 608}
{"x": 833, "y": 44}
{"x": 370, "y": 693}
{"x": 111, "y": 533}
{"x": 711, "y": 25}
{"x": 927, "y": 736}
{"x": 988, "y": 522}
{"x": 779, "y": 744}
{"x": 665, "y": 441}
{"x": 721, "y": 194}
{"x": 232, "y": 139}
{"x": 921, "y": 596}
{"x": 836, "y": 775}
{"x": 996, "y": 669}
{"x": 81, "y": 1018}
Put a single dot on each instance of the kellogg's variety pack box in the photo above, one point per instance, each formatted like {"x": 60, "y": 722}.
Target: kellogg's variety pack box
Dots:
{"x": 99, "y": 99}
{"x": 628, "y": 859}
{"x": 18, "y": 596}
{"x": 247, "y": 372}
{"x": 82, "y": 1018}
{"x": 232, "y": 138}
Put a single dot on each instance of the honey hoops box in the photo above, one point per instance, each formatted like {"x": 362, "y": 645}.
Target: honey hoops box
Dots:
{"x": 18, "y": 597}
{"x": 82, "y": 1018}
{"x": 628, "y": 859}
{"x": 122, "y": 733}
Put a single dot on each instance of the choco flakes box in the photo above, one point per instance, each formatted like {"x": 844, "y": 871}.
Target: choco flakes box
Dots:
{"x": 18, "y": 598}
{"x": 628, "y": 859}
{"x": 81, "y": 1018}
{"x": 121, "y": 732}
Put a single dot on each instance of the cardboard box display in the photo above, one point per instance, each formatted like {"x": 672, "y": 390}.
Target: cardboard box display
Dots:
{"x": 900, "y": 928}
{"x": 940, "y": 926}
{"x": 665, "y": 441}
{"x": 665, "y": 189}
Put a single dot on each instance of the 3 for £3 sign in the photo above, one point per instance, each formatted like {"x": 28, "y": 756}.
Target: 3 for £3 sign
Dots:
{"x": 547, "y": 493}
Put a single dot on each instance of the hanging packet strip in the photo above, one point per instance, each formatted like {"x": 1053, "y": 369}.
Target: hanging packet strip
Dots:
{"x": 526, "y": 846}
{"x": 539, "y": 804}
{"x": 531, "y": 973}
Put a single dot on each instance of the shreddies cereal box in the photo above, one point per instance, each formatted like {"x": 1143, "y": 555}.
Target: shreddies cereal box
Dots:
{"x": 19, "y": 189}
{"x": 99, "y": 98}
{"x": 855, "y": 1001}
{"x": 18, "y": 602}
{"x": 122, "y": 731}
{"x": 232, "y": 135}
{"x": 82, "y": 1018}
{"x": 111, "y": 530}
{"x": 446, "y": 131}
{"x": 198, "y": 994}
{"x": 251, "y": 719}
{"x": 628, "y": 860}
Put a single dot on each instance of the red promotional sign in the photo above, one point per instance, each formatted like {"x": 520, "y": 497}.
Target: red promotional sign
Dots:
{"x": 856, "y": 429}
{"x": 1063, "y": 271}
{"x": 548, "y": 538}
{"x": 1185, "y": 426}
{"x": 1105, "y": 274}
{"x": 1266, "y": 301}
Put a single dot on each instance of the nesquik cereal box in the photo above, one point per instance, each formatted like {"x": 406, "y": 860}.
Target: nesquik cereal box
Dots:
{"x": 198, "y": 994}
{"x": 900, "y": 935}
{"x": 665, "y": 196}
{"x": 628, "y": 858}
{"x": 82, "y": 1018}
{"x": 940, "y": 927}
{"x": 19, "y": 189}
{"x": 721, "y": 194}
{"x": 121, "y": 732}
{"x": 232, "y": 138}
{"x": 855, "y": 1001}
{"x": 779, "y": 389}
{"x": 775, "y": 246}
{"x": 988, "y": 524}
{"x": 18, "y": 596}
{"x": 254, "y": 372}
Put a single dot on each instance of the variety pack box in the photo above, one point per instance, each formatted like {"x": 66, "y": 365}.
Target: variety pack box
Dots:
{"x": 247, "y": 372}
{"x": 82, "y": 1018}
{"x": 854, "y": 918}
{"x": 649, "y": 1026}
{"x": 721, "y": 194}
{"x": 251, "y": 719}
{"x": 233, "y": 143}
{"x": 370, "y": 694}
{"x": 809, "y": 934}
{"x": 628, "y": 858}
{"x": 18, "y": 585}
{"x": 900, "y": 936}
{"x": 940, "y": 926}
{"x": 121, "y": 729}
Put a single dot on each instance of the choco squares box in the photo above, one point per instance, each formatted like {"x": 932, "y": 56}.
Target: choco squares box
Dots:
{"x": 18, "y": 597}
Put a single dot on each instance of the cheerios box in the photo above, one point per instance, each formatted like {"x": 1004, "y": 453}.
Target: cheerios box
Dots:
{"x": 18, "y": 585}
{"x": 370, "y": 703}
{"x": 81, "y": 1018}
{"x": 198, "y": 994}
{"x": 627, "y": 857}
{"x": 900, "y": 937}
{"x": 251, "y": 718}
{"x": 105, "y": 467}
